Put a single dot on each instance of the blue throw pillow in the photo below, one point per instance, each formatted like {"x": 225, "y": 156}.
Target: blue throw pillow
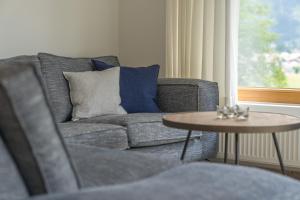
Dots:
{"x": 138, "y": 87}
{"x": 100, "y": 66}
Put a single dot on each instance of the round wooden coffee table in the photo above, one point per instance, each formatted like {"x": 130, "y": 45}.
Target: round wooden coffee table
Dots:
{"x": 257, "y": 123}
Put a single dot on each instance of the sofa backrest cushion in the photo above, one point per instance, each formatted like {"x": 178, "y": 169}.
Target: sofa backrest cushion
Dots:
{"x": 52, "y": 68}
{"x": 30, "y": 133}
{"x": 12, "y": 186}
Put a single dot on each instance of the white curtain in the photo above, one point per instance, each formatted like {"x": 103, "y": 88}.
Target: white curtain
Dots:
{"x": 202, "y": 43}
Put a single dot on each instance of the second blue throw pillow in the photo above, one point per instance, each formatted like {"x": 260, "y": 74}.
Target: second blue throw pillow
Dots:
{"x": 138, "y": 87}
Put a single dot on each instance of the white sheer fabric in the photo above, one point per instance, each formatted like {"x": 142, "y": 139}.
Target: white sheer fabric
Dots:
{"x": 232, "y": 30}
{"x": 202, "y": 42}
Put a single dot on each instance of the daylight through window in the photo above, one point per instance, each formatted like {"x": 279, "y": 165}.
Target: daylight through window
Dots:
{"x": 269, "y": 44}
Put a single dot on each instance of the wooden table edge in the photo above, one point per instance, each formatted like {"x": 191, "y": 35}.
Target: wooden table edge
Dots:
{"x": 230, "y": 129}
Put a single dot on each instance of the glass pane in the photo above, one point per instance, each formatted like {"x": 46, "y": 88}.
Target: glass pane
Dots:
{"x": 269, "y": 43}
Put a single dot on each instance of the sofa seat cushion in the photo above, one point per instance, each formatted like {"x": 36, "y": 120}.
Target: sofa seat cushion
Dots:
{"x": 101, "y": 167}
{"x": 124, "y": 120}
{"x": 95, "y": 134}
{"x": 198, "y": 149}
{"x": 145, "y": 129}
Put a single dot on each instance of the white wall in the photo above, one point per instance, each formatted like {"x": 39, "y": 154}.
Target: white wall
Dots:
{"x": 64, "y": 27}
{"x": 134, "y": 30}
{"x": 142, "y": 32}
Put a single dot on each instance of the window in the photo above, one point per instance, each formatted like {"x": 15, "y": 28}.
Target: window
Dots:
{"x": 269, "y": 51}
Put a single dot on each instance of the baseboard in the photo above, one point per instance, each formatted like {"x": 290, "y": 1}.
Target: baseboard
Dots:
{"x": 260, "y": 163}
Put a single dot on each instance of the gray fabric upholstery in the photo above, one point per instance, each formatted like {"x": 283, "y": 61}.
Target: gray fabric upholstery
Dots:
{"x": 154, "y": 134}
{"x": 124, "y": 120}
{"x": 52, "y": 68}
{"x": 199, "y": 181}
{"x": 198, "y": 148}
{"x": 19, "y": 60}
{"x": 183, "y": 95}
{"x": 99, "y": 135}
{"x": 38, "y": 152}
{"x": 12, "y": 186}
{"x": 32, "y": 137}
{"x": 173, "y": 94}
{"x": 144, "y": 129}
{"x": 147, "y": 134}
{"x": 101, "y": 167}
{"x": 34, "y": 60}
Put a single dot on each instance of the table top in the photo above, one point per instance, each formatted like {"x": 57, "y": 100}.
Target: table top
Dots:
{"x": 258, "y": 122}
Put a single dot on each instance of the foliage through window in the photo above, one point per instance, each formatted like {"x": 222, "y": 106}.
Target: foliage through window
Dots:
{"x": 269, "y": 43}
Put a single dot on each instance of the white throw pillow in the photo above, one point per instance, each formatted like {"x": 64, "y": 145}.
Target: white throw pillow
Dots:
{"x": 95, "y": 93}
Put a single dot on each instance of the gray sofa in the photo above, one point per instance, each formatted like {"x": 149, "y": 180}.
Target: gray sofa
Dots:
{"x": 142, "y": 132}
{"x": 36, "y": 164}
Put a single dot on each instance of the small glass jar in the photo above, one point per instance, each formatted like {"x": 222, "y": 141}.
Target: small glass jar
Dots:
{"x": 243, "y": 114}
{"x": 222, "y": 112}
{"x": 235, "y": 112}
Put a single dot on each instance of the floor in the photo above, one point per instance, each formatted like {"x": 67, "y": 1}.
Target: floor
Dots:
{"x": 290, "y": 172}
{"x": 293, "y": 174}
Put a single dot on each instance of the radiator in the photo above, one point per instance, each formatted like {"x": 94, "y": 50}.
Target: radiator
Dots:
{"x": 259, "y": 148}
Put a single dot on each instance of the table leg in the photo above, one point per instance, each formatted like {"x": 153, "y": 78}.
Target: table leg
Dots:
{"x": 278, "y": 153}
{"x": 186, "y": 145}
{"x": 237, "y": 146}
{"x": 226, "y": 148}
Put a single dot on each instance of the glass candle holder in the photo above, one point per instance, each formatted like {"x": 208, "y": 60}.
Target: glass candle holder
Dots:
{"x": 243, "y": 113}
{"x": 234, "y": 112}
{"x": 222, "y": 112}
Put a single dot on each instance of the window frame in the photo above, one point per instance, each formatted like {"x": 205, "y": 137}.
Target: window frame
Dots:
{"x": 269, "y": 95}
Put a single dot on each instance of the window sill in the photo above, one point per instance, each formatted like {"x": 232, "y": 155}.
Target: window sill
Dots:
{"x": 270, "y": 95}
{"x": 289, "y": 109}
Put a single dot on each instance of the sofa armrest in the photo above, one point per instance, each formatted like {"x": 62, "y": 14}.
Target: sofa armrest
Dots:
{"x": 183, "y": 95}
